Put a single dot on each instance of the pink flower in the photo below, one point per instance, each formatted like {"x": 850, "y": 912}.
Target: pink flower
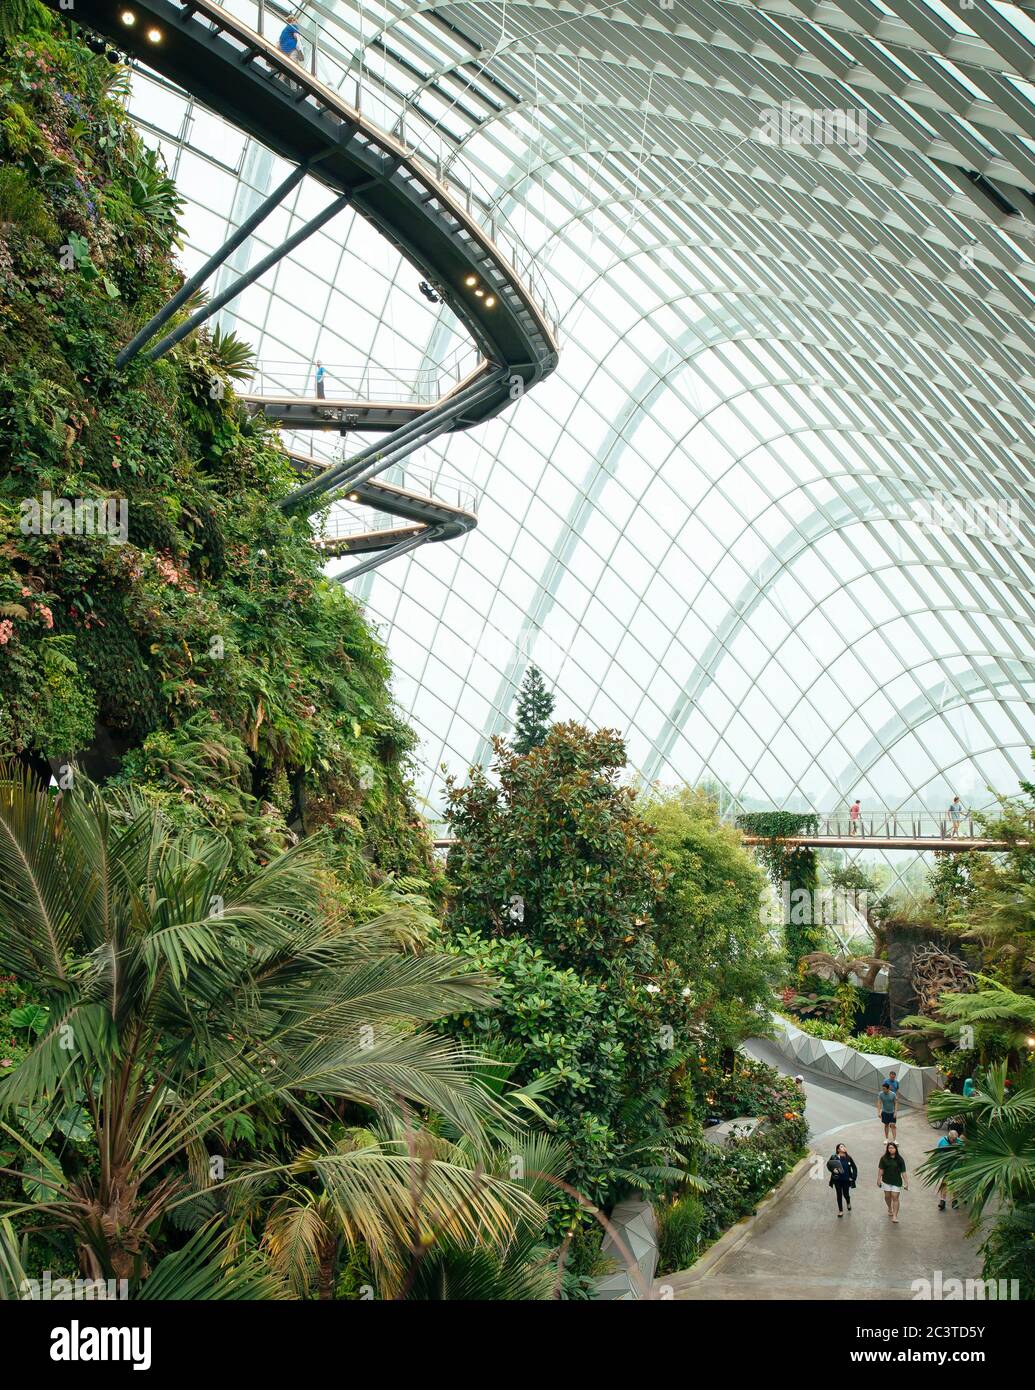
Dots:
{"x": 6, "y": 632}
{"x": 6, "y": 1061}
{"x": 44, "y": 612}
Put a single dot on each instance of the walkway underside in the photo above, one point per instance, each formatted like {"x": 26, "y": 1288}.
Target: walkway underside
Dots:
{"x": 312, "y": 413}
{"x": 430, "y": 518}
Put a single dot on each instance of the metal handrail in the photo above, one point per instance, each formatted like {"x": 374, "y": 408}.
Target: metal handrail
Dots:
{"x": 268, "y": 19}
{"x": 355, "y": 382}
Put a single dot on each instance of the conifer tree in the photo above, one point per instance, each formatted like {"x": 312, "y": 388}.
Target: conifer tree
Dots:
{"x": 534, "y": 708}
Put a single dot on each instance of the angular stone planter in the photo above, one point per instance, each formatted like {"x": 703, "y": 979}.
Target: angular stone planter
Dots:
{"x": 865, "y": 1070}
{"x": 635, "y": 1225}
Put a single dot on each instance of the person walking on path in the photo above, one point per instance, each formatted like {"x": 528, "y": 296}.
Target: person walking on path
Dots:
{"x": 891, "y": 1080}
{"x": 892, "y": 1178}
{"x": 947, "y": 1141}
{"x": 955, "y": 816}
{"x": 843, "y": 1174}
{"x": 853, "y": 816}
{"x": 887, "y": 1110}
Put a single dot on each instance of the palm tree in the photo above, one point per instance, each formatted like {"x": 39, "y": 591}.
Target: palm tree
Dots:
{"x": 197, "y": 1271}
{"x": 997, "y": 1157}
{"x": 179, "y": 996}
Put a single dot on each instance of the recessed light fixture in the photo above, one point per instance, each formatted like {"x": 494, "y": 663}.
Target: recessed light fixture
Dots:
{"x": 480, "y": 294}
{"x": 471, "y": 281}
{"x": 154, "y": 36}
{"x": 353, "y": 496}
{"x": 490, "y": 301}
{"x": 128, "y": 18}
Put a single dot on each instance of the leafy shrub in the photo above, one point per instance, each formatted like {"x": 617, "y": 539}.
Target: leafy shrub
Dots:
{"x": 679, "y": 1232}
{"x": 1009, "y": 1250}
{"x": 878, "y": 1044}
{"x": 742, "y": 1171}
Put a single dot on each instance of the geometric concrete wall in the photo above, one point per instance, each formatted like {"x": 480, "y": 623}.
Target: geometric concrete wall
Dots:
{"x": 865, "y": 1070}
{"x": 635, "y": 1223}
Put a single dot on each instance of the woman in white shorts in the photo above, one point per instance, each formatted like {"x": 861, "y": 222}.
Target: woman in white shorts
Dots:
{"x": 892, "y": 1178}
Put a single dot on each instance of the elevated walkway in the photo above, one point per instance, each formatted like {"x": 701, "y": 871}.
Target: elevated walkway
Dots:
{"x": 240, "y": 73}
{"x": 430, "y": 518}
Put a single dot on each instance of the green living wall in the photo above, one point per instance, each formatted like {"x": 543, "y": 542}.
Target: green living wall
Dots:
{"x": 194, "y": 649}
{"x": 793, "y": 873}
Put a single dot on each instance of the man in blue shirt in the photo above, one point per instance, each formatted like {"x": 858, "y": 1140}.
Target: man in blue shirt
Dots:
{"x": 289, "y": 42}
{"x": 321, "y": 373}
{"x": 947, "y": 1141}
{"x": 891, "y": 1081}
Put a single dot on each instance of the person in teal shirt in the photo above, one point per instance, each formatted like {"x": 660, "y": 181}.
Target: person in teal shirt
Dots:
{"x": 947, "y": 1141}
{"x": 968, "y": 1086}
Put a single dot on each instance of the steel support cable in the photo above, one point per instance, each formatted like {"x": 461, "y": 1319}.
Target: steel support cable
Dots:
{"x": 250, "y": 276}
{"x": 406, "y": 438}
{"x": 213, "y": 263}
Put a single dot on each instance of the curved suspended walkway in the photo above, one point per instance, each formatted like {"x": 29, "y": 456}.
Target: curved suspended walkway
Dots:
{"x": 242, "y": 76}
{"x": 430, "y": 519}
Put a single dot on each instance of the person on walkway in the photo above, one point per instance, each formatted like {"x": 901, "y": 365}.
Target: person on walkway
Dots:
{"x": 843, "y": 1174}
{"x": 887, "y": 1110}
{"x": 968, "y": 1086}
{"x": 891, "y": 1080}
{"x": 290, "y": 41}
{"x": 321, "y": 373}
{"x": 955, "y": 816}
{"x": 948, "y": 1141}
{"x": 853, "y": 817}
{"x": 892, "y": 1178}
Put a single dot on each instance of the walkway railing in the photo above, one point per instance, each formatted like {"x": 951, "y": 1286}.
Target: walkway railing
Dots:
{"x": 416, "y": 386}
{"x": 342, "y": 521}
{"x": 909, "y": 825}
{"x": 325, "y": 54}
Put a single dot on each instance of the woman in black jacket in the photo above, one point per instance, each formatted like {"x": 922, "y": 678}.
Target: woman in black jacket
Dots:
{"x": 843, "y": 1174}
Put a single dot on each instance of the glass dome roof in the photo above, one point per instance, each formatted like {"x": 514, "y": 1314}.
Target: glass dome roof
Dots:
{"x": 772, "y": 516}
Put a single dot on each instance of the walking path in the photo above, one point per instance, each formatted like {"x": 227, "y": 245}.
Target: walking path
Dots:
{"x": 805, "y": 1252}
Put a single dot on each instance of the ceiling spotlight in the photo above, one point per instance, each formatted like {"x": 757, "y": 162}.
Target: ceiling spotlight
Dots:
{"x": 471, "y": 281}
{"x": 154, "y": 36}
{"x": 490, "y": 301}
{"x": 353, "y": 496}
{"x": 480, "y": 294}
{"x": 128, "y": 18}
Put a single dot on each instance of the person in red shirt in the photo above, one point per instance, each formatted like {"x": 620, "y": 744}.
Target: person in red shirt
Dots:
{"x": 853, "y": 817}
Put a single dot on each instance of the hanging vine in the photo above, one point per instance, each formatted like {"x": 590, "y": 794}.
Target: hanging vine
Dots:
{"x": 793, "y": 873}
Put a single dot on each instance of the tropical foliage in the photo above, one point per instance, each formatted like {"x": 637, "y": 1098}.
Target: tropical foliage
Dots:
{"x": 198, "y": 653}
{"x": 182, "y": 1008}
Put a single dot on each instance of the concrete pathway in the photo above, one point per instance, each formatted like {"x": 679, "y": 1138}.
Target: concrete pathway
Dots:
{"x": 805, "y": 1252}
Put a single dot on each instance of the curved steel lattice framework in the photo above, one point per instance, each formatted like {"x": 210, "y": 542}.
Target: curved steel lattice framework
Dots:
{"x": 774, "y": 514}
